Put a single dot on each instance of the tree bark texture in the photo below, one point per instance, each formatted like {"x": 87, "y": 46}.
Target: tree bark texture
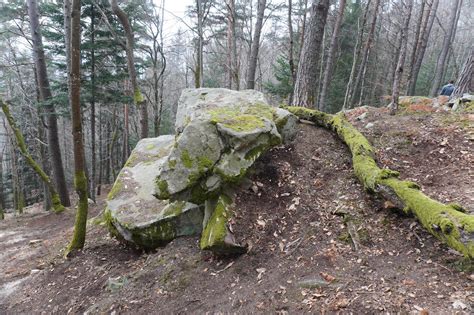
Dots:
{"x": 80, "y": 179}
{"x": 255, "y": 45}
{"x": 329, "y": 67}
{"x": 45, "y": 95}
{"x": 306, "y": 84}
{"x": 446, "y": 222}
{"x": 465, "y": 82}
{"x": 291, "y": 43}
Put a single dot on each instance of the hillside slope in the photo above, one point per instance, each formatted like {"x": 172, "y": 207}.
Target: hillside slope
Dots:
{"x": 297, "y": 216}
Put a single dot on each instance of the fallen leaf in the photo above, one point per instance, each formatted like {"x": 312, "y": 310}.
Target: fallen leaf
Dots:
{"x": 327, "y": 277}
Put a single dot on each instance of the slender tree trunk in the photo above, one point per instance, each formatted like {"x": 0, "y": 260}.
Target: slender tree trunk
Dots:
{"x": 162, "y": 73}
{"x": 20, "y": 142}
{"x": 422, "y": 20}
{"x": 198, "y": 72}
{"x": 230, "y": 41}
{"x": 126, "y": 131}
{"x": 2, "y": 204}
{"x": 448, "y": 39}
{"x": 80, "y": 180}
{"x": 138, "y": 99}
{"x": 355, "y": 58}
{"x": 303, "y": 29}
{"x": 365, "y": 52}
{"x": 101, "y": 154}
{"x": 45, "y": 93}
{"x": 307, "y": 76}
{"x": 423, "y": 43}
{"x": 93, "y": 148}
{"x": 255, "y": 45}
{"x": 408, "y": 4}
{"x": 291, "y": 59}
{"x": 331, "y": 56}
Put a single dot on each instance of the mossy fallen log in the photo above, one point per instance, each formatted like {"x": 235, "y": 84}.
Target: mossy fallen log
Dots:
{"x": 453, "y": 227}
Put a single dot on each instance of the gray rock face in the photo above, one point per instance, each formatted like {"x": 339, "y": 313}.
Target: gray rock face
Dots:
{"x": 220, "y": 135}
{"x": 194, "y": 103}
{"x": 134, "y": 214}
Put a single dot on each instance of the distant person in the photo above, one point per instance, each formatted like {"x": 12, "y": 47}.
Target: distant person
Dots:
{"x": 448, "y": 89}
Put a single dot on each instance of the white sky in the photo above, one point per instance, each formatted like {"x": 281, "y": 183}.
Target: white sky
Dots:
{"x": 174, "y": 9}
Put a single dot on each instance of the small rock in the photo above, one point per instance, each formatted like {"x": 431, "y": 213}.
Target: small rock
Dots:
{"x": 369, "y": 125}
{"x": 362, "y": 117}
{"x": 458, "y": 305}
{"x": 116, "y": 283}
{"x": 90, "y": 201}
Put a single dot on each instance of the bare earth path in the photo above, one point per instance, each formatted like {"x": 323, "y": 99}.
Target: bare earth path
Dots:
{"x": 295, "y": 216}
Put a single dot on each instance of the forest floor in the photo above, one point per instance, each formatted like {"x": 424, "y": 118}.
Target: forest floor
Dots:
{"x": 297, "y": 219}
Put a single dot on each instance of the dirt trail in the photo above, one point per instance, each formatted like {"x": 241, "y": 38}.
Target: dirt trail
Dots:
{"x": 294, "y": 217}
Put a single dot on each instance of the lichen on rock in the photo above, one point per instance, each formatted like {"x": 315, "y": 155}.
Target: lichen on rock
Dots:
{"x": 166, "y": 184}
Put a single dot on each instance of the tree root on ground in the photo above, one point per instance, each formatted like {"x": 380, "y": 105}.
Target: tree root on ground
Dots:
{"x": 446, "y": 222}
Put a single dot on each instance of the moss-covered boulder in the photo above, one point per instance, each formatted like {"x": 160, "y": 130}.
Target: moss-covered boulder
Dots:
{"x": 226, "y": 131}
{"x": 174, "y": 185}
{"x": 133, "y": 214}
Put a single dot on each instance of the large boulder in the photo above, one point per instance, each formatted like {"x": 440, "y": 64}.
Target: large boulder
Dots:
{"x": 175, "y": 186}
{"x": 193, "y": 103}
{"x": 133, "y": 214}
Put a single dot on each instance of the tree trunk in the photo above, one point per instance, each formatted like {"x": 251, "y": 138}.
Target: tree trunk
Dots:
{"x": 45, "y": 94}
{"x": 230, "y": 41}
{"x": 198, "y": 72}
{"x": 355, "y": 58}
{"x": 401, "y": 59}
{"x": 422, "y": 44}
{"x": 126, "y": 131}
{"x": 80, "y": 180}
{"x": 93, "y": 149}
{"x": 448, "y": 39}
{"x": 422, "y": 19}
{"x": 101, "y": 154}
{"x": 331, "y": 56}
{"x": 465, "y": 82}
{"x": 138, "y": 99}
{"x": 20, "y": 142}
{"x": 256, "y": 45}
{"x": 291, "y": 59}
{"x": 307, "y": 77}
{"x": 365, "y": 52}
{"x": 2, "y": 204}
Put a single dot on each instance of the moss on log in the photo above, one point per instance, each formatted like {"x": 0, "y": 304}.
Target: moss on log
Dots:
{"x": 446, "y": 222}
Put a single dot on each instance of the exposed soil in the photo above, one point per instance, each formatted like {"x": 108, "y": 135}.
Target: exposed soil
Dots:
{"x": 295, "y": 216}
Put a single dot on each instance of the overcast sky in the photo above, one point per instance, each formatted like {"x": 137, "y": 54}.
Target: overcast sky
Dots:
{"x": 173, "y": 10}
